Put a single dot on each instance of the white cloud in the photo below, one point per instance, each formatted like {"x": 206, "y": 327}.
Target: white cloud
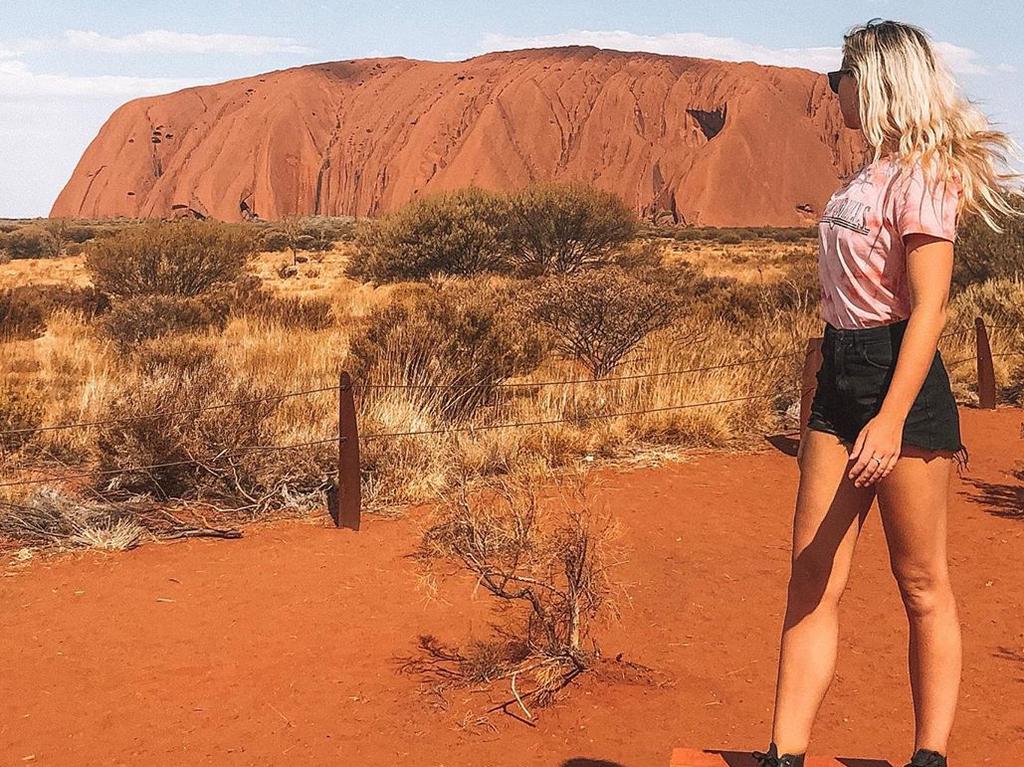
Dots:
{"x": 817, "y": 58}
{"x": 18, "y": 82}
{"x": 963, "y": 61}
{"x": 166, "y": 41}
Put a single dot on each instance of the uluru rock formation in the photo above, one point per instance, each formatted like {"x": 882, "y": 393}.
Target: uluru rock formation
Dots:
{"x": 697, "y": 141}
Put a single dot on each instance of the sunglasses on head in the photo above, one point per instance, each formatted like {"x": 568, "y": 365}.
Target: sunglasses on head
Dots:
{"x": 835, "y": 77}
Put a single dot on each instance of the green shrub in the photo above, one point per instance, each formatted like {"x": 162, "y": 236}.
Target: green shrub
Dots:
{"x": 170, "y": 258}
{"x": 788, "y": 235}
{"x": 464, "y": 336}
{"x": 458, "y": 233}
{"x": 79, "y": 234}
{"x": 274, "y": 240}
{"x": 26, "y": 242}
{"x": 323, "y": 231}
{"x": 560, "y": 228}
{"x": 19, "y": 412}
{"x": 983, "y": 254}
{"x": 20, "y": 316}
{"x": 142, "y": 318}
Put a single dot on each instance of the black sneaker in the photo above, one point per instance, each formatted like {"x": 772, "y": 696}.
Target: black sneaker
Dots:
{"x": 771, "y": 758}
{"x": 925, "y": 757}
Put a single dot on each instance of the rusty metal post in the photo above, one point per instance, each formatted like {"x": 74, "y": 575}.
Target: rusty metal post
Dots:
{"x": 343, "y": 500}
{"x": 986, "y": 373}
{"x": 809, "y": 379}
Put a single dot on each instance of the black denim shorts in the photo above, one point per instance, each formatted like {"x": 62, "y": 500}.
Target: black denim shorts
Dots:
{"x": 856, "y": 369}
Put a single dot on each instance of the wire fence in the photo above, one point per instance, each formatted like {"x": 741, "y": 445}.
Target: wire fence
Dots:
{"x": 125, "y": 420}
{"x": 340, "y": 438}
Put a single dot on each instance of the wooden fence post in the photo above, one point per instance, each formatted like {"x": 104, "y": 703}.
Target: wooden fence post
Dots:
{"x": 343, "y": 501}
{"x": 986, "y": 373}
{"x": 809, "y": 380}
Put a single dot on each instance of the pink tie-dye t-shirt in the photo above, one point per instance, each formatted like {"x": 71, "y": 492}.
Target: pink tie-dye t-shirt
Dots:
{"x": 861, "y": 254}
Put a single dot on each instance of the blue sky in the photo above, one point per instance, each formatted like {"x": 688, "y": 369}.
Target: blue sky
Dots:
{"x": 65, "y": 66}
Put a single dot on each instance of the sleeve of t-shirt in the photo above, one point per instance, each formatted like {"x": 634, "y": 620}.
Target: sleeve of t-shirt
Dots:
{"x": 926, "y": 208}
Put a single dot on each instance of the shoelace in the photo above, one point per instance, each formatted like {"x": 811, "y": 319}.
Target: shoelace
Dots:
{"x": 765, "y": 759}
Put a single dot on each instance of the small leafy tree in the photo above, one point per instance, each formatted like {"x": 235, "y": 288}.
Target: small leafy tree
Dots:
{"x": 59, "y": 236}
{"x": 983, "y": 254}
{"x": 168, "y": 276}
{"x": 598, "y": 316}
{"x": 565, "y": 227}
{"x": 458, "y": 233}
{"x": 170, "y": 258}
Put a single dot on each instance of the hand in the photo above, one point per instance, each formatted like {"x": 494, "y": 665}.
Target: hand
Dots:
{"x": 880, "y": 438}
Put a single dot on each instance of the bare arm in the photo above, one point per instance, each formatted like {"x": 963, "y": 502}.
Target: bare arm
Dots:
{"x": 929, "y": 271}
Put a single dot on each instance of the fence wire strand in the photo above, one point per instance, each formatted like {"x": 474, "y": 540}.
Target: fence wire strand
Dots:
{"x": 525, "y": 384}
{"x": 168, "y": 465}
{"x": 573, "y": 381}
{"x": 485, "y": 427}
{"x": 381, "y": 435}
{"x": 166, "y": 413}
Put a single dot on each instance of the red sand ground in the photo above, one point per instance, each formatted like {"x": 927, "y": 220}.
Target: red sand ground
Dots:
{"x": 282, "y": 647}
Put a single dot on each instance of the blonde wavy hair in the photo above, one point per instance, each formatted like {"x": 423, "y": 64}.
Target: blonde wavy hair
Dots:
{"x": 910, "y": 103}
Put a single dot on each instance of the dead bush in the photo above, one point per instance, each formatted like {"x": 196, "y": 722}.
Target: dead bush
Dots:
{"x": 49, "y": 517}
{"x": 598, "y": 316}
{"x": 549, "y": 568}
{"x": 250, "y": 298}
{"x": 293, "y": 312}
{"x": 173, "y": 355}
{"x": 202, "y": 427}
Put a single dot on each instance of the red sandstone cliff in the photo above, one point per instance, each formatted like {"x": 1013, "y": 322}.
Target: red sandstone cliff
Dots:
{"x": 715, "y": 143}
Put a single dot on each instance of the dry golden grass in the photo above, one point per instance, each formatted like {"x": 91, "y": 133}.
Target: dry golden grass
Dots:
{"x": 73, "y": 374}
{"x": 748, "y": 261}
{"x": 69, "y": 270}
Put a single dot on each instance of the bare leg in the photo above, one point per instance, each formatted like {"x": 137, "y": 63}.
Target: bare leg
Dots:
{"x": 912, "y": 501}
{"x": 830, "y": 511}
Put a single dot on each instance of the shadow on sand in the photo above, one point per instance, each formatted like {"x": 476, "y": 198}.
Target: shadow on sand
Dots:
{"x": 1001, "y": 500}
{"x": 744, "y": 759}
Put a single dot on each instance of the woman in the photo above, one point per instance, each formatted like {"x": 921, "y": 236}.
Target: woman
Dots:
{"x": 883, "y": 420}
